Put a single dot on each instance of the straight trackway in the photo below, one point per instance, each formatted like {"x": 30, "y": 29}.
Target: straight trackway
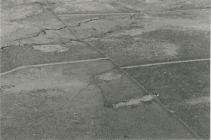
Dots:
{"x": 105, "y": 58}
{"x": 165, "y": 63}
{"x": 51, "y": 64}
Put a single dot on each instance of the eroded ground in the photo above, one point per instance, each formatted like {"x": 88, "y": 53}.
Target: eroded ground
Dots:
{"x": 65, "y": 63}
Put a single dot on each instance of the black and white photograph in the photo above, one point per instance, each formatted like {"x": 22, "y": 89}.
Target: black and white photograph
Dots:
{"x": 105, "y": 69}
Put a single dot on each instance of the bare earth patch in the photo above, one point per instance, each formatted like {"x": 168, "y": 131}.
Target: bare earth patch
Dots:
{"x": 50, "y": 48}
{"x": 199, "y": 100}
{"x": 109, "y": 76}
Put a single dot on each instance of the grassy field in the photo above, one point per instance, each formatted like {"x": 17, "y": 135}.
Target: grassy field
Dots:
{"x": 65, "y": 63}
